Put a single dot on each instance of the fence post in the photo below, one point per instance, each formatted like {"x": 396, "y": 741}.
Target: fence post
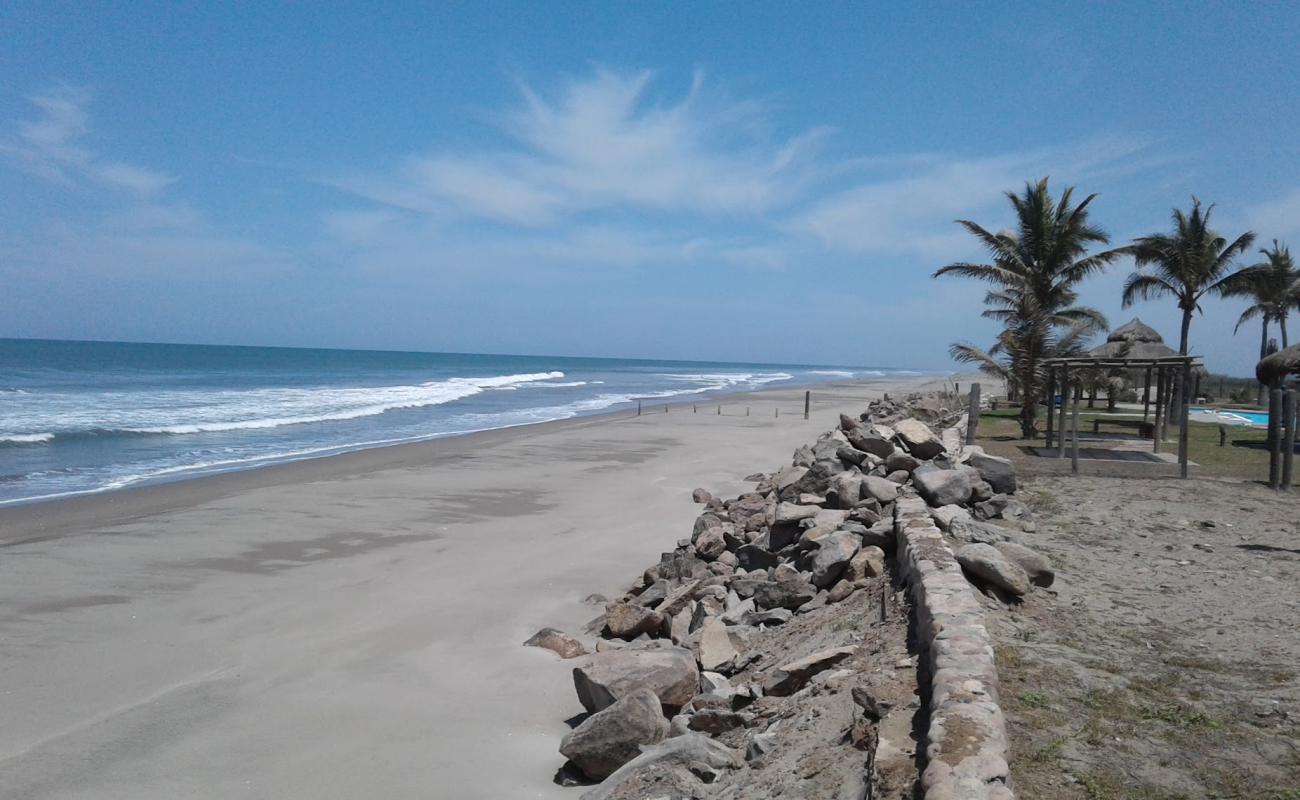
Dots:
{"x": 1223, "y": 436}
{"x": 973, "y": 416}
{"x": 1184, "y": 420}
{"x": 777, "y": 415}
{"x": 638, "y": 408}
{"x": 1274, "y": 438}
{"x": 747, "y": 411}
{"x": 1060, "y": 419}
{"x": 1288, "y": 437}
{"x": 1074, "y": 431}
{"x": 807, "y": 400}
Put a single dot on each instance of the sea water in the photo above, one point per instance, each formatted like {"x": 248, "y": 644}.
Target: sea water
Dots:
{"x": 81, "y": 417}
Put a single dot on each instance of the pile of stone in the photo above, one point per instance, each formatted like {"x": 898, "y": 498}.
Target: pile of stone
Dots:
{"x": 659, "y": 684}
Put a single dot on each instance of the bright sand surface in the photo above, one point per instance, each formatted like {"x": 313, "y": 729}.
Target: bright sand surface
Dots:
{"x": 350, "y": 627}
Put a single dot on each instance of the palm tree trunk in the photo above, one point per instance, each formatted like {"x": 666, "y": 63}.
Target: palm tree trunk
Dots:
{"x": 1263, "y": 351}
{"x": 1281, "y": 323}
{"x": 1178, "y": 395}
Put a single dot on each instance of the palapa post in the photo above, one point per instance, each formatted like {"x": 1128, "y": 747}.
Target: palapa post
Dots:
{"x": 1288, "y": 437}
{"x": 1065, "y": 399}
{"x": 1051, "y": 398}
{"x": 1274, "y": 438}
{"x": 1074, "y": 431}
{"x": 973, "y": 415}
{"x": 1183, "y": 425}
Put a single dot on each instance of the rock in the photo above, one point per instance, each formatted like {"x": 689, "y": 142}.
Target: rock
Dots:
{"x": 790, "y": 678}
{"x": 760, "y": 744}
{"x": 871, "y": 443}
{"x": 679, "y": 627}
{"x": 986, "y": 563}
{"x": 807, "y": 499}
{"x": 738, "y": 614}
{"x": 752, "y": 556}
{"x": 945, "y": 515}
{"x": 608, "y": 676}
{"x": 627, "y": 621}
{"x": 562, "y": 644}
{"x": 848, "y": 423}
{"x": 992, "y": 507}
{"x": 595, "y": 600}
{"x": 710, "y": 544}
{"x": 701, "y": 496}
{"x": 696, "y": 752}
{"x": 832, "y": 556}
{"x": 846, "y": 488}
{"x": 942, "y": 487}
{"x": 999, "y": 472}
{"x": 829, "y": 518}
{"x": 898, "y": 460}
{"x": 614, "y": 736}
{"x": 716, "y": 649}
{"x": 679, "y": 598}
{"x": 788, "y": 594}
{"x": 851, "y": 455}
{"x": 1034, "y": 563}
{"x": 840, "y": 591}
{"x": 882, "y": 489}
{"x": 749, "y": 512}
{"x": 917, "y": 437}
{"x": 881, "y": 535}
{"x": 654, "y": 593}
{"x": 818, "y": 601}
{"x": 980, "y": 490}
{"x": 704, "y": 521}
{"x": 972, "y": 531}
{"x": 868, "y": 563}
{"x": 899, "y": 476}
{"x": 788, "y": 477}
{"x": 718, "y": 720}
{"x": 803, "y": 457}
{"x": 787, "y": 513}
{"x": 775, "y": 616}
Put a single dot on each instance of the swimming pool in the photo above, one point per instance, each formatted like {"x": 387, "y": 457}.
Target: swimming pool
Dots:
{"x": 1233, "y": 416}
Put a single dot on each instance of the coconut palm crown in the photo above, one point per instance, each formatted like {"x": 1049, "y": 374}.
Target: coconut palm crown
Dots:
{"x": 1274, "y": 285}
{"x": 1034, "y": 270}
{"x": 1192, "y": 261}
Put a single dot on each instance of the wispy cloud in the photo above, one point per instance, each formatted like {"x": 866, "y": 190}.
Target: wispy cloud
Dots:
{"x": 52, "y": 146}
{"x": 604, "y": 143}
{"x": 1279, "y": 217}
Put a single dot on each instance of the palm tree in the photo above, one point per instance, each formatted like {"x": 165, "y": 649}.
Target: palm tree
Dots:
{"x": 1193, "y": 261}
{"x": 1274, "y": 285}
{"x": 1034, "y": 270}
{"x": 1002, "y": 359}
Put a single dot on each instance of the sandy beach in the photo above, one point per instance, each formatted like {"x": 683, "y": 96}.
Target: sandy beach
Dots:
{"x": 350, "y": 626}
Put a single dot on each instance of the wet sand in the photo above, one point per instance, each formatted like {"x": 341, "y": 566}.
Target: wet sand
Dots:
{"x": 350, "y": 626}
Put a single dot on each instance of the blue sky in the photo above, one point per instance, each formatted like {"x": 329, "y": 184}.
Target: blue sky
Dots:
{"x": 758, "y": 181}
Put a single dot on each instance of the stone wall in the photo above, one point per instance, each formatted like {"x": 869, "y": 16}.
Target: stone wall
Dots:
{"x": 966, "y": 745}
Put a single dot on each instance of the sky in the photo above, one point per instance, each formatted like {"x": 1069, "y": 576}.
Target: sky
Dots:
{"x": 762, "y": 181}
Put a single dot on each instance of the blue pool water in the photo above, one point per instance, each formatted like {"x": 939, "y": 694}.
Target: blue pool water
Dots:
{"x": 80, "y": 417}
{"x": 1235, "y": 416}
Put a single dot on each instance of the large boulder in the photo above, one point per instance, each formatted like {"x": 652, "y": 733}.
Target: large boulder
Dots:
{"x": 900, "y": 461}
{"x": 614, "y": 736}
{"x": 987, "y": 564}
{"x": 558, "y": 642}
{"x": 607, "y": 676}
{"x": 788, "y": 594}
{"x": 833, "y": 555}
{"x": 1034, "y": 563}
{"x": 787, "y": 513}
{"x": 627, "y": 621}
{"x": 999, "y": 472}
{"x": 792, "y": 676}
{"x": 755, "y": 557}
{"x": 870, "y": 442}
{"x": 716, "y": 649}
{"x": 868, "y": 563}
{"x": 693, "y": 753}
{"x": 942, "y": 487}
{"x": 882, "y": 489}
{"x": 917, "y": 437}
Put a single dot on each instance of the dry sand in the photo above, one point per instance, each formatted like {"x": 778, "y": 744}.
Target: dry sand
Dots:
{"x": 349, "y": 627}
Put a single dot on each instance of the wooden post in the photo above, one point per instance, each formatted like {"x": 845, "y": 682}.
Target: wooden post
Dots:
{"x": 1223, "y": 436}
{"x": 1288, "y": 437}
{"x": 1074, "y": 431}
{"x": 719, "y": 409}
{"x": 973, "y": 416}
{"x": 807, "y": 401}
{"x": 638, "y": 408}
{"x": 778, "y": 413}
{"x": 665, "y": 408}
{"x": 1060, "y": 420}
{"x": 747, "y": 411}
{"x": 1157, "y": 431}
{"x": 1146, "y": 396}
{"x": 1051, "y": 398}
{"x": 1274, "y": 438}
{"x": 1184, "y": 426}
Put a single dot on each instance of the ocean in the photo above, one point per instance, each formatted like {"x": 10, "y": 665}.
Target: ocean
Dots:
{"x": 83, "y": 417}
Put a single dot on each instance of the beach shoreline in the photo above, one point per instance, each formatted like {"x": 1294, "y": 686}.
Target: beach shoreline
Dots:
{"x": 352, "y": 624}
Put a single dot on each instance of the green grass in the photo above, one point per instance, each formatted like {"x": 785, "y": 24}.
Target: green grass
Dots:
{"x": 1237, "y": 459}
{"x": 1034, "y": 700}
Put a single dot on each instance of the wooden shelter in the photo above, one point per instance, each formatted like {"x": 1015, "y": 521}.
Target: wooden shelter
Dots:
{"x": 1167, "y": 368}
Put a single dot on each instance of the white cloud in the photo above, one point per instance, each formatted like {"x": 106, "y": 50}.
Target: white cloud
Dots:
{"x": 602, "y": 143}
{"x": 50, "y": 147}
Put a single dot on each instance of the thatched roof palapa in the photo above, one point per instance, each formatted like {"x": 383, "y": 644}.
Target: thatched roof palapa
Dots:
{"x": 1134, "y": 340}
{"x": 1272, "y": 369}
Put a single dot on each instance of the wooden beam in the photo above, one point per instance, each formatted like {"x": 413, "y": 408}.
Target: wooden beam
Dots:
{"x": 1183, "y": 426}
